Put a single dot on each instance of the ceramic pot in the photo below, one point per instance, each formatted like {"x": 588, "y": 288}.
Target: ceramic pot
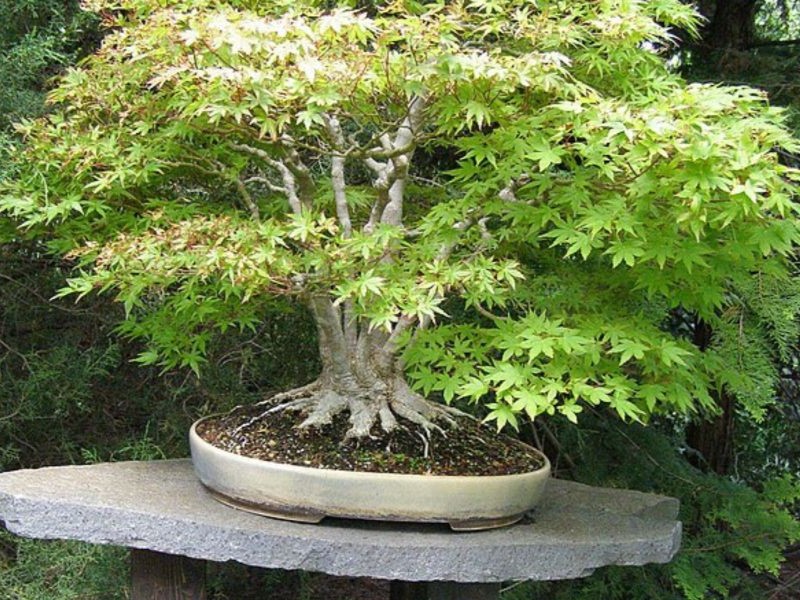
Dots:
{"x": 309, "y": 494}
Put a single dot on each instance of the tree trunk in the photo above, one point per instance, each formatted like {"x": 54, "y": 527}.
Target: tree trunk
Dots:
{"x": 712, "y": 439}
{"x": 360, "y": 376}
{"x": 730, "y": 24}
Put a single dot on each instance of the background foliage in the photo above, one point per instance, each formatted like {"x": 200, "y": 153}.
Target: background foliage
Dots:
{"x": 37, "y": 39}
{"x": 69, "y": 393}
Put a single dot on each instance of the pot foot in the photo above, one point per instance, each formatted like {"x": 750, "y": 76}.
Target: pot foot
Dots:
{"x": 481, "y": 524}
{"x": 268, "y": 510}
{"x": 298, "y": 515}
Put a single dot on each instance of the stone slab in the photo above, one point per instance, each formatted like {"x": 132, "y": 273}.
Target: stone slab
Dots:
{"x": 161, "y": 506}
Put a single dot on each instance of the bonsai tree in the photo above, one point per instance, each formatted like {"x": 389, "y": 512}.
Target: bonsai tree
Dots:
{"x": 499, "y": 201}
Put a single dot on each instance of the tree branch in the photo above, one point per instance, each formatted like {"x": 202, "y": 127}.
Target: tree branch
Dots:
{"x": 405, "y": 138}
{"x": 252, "y": 207}
{"x": 392, "y": 213}
{"x": 386, "y": 177}
{"x": 509, "y": 193}
{"x": 302, "y": 176}
{"x": 384, "y": 153}
{"x": 489, "y": 315}
{"x": 289, "y": 183}
{"x": 264, "y": 181}
{"x": 252, "y": 150}
{"x": 334, "y": 128}
{"x": 389, "y": 349}
{"x": 767, "y": 43}
{"x": 374, "y": 165}
{"x": 18, "y": 354}
{"x": 337, "y": 175}
{"x": 392, "y": 174}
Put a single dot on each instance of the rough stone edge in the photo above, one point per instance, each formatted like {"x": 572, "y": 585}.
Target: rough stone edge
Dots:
{"x": 30, "y": 518}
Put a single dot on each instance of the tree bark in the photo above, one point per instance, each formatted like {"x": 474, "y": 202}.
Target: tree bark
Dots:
{"x": 712, "y": 438}
{"x": 730, "y": 23}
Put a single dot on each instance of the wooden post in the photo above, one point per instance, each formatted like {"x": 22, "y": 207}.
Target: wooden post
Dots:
{"x": 449, "y": 590}
{"x": 408, "y": 590}
{"x": 158, "y": 576}
{"x": 444, "y": 590}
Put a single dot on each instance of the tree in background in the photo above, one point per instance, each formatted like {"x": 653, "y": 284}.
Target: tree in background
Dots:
{"x": 753, "y": 42}
{"x": 729, "y": 23}
{"x": 746, "y": 24}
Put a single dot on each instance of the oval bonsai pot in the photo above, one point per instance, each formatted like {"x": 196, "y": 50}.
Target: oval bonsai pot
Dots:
{"x": 309, "y": 494}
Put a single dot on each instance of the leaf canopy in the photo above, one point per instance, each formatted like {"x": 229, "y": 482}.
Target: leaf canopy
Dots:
{"x": 214, "y": 155}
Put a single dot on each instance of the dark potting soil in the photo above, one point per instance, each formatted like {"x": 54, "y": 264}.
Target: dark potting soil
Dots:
{"x": 470, "y": 449}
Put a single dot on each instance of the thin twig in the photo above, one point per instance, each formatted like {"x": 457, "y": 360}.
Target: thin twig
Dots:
{"x": 44, "y": 300}
{"x": 554, "y": 440}
{"x": 252, "y": 207}
{"x": 17, "y": 353}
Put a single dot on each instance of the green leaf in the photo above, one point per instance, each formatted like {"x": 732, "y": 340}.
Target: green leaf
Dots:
{"x": 545, "y": 155}
{"x": 570, "y": 411}
{"x": 502, "y": 415}
{"x": 628, "y": 349}
{"x": 475, "y": 388}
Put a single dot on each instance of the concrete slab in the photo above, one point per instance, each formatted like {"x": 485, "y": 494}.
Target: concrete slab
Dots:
{"x": 161, "y": 506}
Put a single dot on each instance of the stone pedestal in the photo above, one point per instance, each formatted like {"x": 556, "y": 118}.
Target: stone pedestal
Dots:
{"x": 160, "y": 507}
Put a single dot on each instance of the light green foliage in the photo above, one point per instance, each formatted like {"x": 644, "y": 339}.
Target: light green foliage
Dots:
{"x": 593, "y": 191}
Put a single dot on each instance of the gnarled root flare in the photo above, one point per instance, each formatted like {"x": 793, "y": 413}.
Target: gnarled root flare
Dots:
{"x": 367, "y": 407}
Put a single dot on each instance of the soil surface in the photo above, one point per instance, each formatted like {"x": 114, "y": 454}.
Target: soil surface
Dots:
{"x": 471, "y": 449}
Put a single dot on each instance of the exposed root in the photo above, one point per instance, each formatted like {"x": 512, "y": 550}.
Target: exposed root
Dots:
{"x": 410, "y": 405}
{"x": 362, "y": 418}
{"x": 300, "y": 404}
{"x": 303, "y": 391}
{"x": 364, "y": 412}
{"x": 426, "y": 444}
{"x": 419, "y": 417}
{"x": 326, "y": 406}
{"x": 387, "y": 418}
{"x": 366, "y": 407}
{"x": 301, "y": 398}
